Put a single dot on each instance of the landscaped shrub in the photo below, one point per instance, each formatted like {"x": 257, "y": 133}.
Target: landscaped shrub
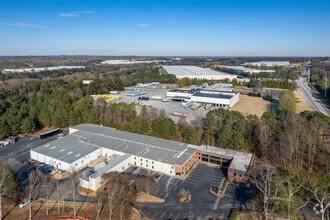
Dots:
{"x": 233, "y": 213}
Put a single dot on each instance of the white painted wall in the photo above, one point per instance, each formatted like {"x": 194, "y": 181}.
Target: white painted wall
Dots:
{"x": 154, "y": 165}
{"x": 96, "y": 183}
{"x": 79, "y": 163}
{"x": 83, "y": 161}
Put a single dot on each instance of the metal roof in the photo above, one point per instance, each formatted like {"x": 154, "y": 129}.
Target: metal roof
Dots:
{"x": 68, "y": 149}
{"x": 87, "y": 138}
{"x": 112, "y": 162}
{"x": 166, "y": 151}
{"x": 191, "y": 71}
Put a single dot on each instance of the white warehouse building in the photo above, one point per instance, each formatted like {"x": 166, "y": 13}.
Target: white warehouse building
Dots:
{"x": 87, "y": 142}
{"x": 68, "y": 154}
{"x": 197, "y": 72}
{"x": 268, "y": 63}
{"x": 204, "y": 96}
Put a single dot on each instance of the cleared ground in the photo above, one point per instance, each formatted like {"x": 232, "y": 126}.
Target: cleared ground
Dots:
{"x": 249, "y": 105}
{"x": 167, "y": 106}
{"x": 301, "y": 105}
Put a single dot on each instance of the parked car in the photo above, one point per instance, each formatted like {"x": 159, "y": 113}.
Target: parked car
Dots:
{"x": 52, "y": 172}
{"x": 23, "y": 161}
{"x": 46, "y": 168}
{"x": 24, "y": 203}
{"x": 40, "y": 166}
{"x": 18, "y": 199}
{"x": 32, "y": 138}
{"x": 30, "y": 162}
{"x": 157, "y": 176}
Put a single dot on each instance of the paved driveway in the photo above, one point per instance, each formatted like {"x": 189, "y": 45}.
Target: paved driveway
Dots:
{"x": 203, "y": 205}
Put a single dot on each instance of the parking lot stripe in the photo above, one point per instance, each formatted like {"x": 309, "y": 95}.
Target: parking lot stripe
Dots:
{"x": 162, "y": 215}
{"x": 155, "y": 215}
{"x": 188, "y": 182}
{"x": 177, "y": 216}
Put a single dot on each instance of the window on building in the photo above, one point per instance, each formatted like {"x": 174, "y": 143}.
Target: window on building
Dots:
{"x": 146, "y": 165}
{"x": 135, "y": 163}
{"x": 141, "y": 159}
{"x": 240, "y": 175}
{"x": 147, "y": 161}
{"x": 234, "y": 174}
{"x": 152, "y": 162}
{"x": 172, "y": 167}
{"x": 171, "y": 172}
{"x": 152, "y": 167}
{"x": 134, "y": 158}
{"x": 123, "y": 168}
{"x": 141, "y": 164}
{"x": 129, "y": 164}
{"x": 76, "y": 164}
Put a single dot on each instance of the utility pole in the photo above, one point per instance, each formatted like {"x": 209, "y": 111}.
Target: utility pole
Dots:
{"x": 325, "y": 85}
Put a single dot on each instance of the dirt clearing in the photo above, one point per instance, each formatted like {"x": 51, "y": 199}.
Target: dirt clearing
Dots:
{"x": 302, "y": 106}
{"x": 249, "y": 105}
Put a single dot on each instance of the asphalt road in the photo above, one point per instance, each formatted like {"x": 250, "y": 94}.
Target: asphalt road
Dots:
{"x": 310, "y": 97}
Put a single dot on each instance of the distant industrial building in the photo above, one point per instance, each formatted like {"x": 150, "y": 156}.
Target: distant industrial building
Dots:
{"x": 129, "y": 62}
{"x": 268, "y": 63}
{"x": 39, "y": 69}
{"x": 197, "y": 72}
{"x": 86, "y": 142}
{"x": 241, "y": 69}
{"x": 87, "y": 82}
{"x": 218, "y": 95}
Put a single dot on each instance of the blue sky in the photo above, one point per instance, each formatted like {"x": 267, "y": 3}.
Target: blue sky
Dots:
{"x": 171, "y": 28}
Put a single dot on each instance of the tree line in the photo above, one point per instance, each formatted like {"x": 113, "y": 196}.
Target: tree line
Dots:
{"x": 278, "y": 84}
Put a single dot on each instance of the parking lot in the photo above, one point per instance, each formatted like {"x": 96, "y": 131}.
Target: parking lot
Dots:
{"x": 167, "y": 106}
{"x": 203, "y": 205}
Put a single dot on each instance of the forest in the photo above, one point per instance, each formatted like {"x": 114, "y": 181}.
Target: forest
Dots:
{"x": 319, "y": 71}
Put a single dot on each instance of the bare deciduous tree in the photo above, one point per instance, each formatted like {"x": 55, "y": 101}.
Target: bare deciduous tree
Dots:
{"x": 48, "y": 188}
{"x": 264, "y": 179}
{"x": 149, "y": 185}
{"x": 35, "y": 182}
{"x": 74, "y": 186}
{"x": 183, "y": 192}
{"x": 99, "y": 203}
{"x": 4, "y": 173}
{"x": 112, "y": 192}
{"x": 265, "y": 138}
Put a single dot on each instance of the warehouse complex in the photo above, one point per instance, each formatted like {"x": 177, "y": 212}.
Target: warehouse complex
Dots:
{"x": 241, "y": 69}
{"x": 268, "y": 63}
{"x": 205, "y": 96}
{"x": 39, "y": 69}
{"x": 86, "y": 142}
{"x": 197, "y": 72}
{"x": 130, "y": 62}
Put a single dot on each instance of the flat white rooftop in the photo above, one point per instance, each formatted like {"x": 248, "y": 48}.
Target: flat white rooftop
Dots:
{"x": 127, "y": 62}
{"x": 245, "y": 69}
{"x": 194, "y": 72}
{"x": 269, "y": 63}
{"x": 39, "y": 69}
